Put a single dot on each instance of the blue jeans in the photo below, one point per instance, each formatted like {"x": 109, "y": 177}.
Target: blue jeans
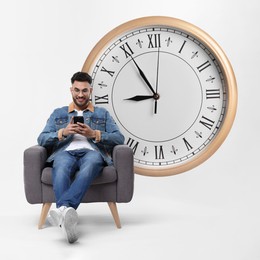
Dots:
{"x": 69, "y": 187}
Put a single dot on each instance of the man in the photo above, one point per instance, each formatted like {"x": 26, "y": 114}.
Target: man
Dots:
{"x": 84, "y": 148}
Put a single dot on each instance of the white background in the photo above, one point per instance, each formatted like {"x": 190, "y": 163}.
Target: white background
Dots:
{"x": 210, "y": 212}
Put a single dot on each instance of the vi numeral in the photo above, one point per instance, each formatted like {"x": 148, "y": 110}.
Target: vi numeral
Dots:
{"x": 159, "y": 152}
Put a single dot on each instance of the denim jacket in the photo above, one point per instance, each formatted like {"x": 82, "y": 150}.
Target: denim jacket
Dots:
{"x": 97, "y": 118}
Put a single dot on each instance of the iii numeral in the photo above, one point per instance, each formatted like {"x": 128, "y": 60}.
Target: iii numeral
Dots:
{"x": 212, "y": 93}
{"x": 154, "y": 40}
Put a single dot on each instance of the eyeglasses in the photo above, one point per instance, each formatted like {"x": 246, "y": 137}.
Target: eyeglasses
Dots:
{"x": 84, "y": 91}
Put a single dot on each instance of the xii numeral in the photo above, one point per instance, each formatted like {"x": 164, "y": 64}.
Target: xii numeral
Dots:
{"x": 154, "y": 40}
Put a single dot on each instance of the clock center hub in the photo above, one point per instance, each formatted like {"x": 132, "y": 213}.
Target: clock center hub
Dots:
{"x": 156, "y": 96}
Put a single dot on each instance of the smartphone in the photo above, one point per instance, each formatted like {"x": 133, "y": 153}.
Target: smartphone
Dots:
{"x": 79, "y": 119}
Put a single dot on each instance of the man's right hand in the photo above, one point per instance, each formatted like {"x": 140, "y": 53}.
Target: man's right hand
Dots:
{"x": 71, "y": 128}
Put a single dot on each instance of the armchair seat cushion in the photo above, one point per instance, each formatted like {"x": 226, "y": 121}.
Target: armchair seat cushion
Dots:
{"x": 108, "y": 175}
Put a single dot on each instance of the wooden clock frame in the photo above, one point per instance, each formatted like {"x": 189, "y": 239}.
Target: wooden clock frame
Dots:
{"x": 229, "y": 78}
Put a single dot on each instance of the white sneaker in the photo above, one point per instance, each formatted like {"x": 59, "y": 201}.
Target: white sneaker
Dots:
{"x": 55, "y": 216}
{"x": 69, "y": 224}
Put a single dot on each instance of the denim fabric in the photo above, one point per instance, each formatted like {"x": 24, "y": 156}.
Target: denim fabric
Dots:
{"x": 69, "y": 188}
{"x": 100, "y": 119}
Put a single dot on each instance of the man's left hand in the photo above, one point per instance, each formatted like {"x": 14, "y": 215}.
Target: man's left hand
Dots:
{"x": 85, "y": 130}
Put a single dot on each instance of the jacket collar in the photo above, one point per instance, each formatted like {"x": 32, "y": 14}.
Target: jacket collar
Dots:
{"x": 72, "y": 108}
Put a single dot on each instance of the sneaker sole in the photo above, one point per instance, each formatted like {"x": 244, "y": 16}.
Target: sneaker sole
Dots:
{"x": 69, "y": 225}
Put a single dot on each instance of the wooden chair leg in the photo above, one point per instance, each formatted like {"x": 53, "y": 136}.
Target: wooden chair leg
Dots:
{"x": 113, "y": 209}
{"x": 44, "y": 213}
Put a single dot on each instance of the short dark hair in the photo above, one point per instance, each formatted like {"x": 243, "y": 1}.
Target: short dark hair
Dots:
{"x": 82, "y": 77}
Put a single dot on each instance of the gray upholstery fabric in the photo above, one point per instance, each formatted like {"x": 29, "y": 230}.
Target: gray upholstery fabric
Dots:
{"x": 116, "y": 183}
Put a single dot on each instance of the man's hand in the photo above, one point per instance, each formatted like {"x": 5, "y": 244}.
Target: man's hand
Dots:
{"x": 78, "y": 128}
{"x": 85, "y": 130}
{"x": 70, "y": 128}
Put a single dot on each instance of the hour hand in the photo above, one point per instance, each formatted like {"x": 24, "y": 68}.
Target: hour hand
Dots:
{"x": 139, "y": 98}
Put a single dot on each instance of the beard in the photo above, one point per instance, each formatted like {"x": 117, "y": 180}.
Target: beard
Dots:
{"x": 81, "y": 103}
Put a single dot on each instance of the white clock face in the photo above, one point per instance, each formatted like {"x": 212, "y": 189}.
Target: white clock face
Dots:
{"x": 166, "y": 91}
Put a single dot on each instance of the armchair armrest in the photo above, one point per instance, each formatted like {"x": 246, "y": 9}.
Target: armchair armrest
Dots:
{"x": 34, "y": 162}
{"x": 124, "y": 163}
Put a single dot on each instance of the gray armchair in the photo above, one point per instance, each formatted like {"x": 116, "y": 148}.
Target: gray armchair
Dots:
{"x": 115, "y": 184}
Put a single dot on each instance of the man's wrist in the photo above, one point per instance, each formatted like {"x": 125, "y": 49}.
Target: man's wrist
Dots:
{"x": 61, "y": 135}
{"x": 97, "y": 136}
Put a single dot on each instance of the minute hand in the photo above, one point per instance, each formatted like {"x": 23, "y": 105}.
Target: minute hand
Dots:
{"x": 143, "y": 76}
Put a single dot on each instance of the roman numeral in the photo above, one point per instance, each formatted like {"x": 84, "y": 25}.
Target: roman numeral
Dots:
{"x": 111, "y": 73}
{"x": 182, "y": 47}
{"x": 127, "y": 50}
{"x": 207, "y": 122}
{"x": 154, "y": 40}
{"x": 203, "y": 66}
{"x": 188, "y": 146}
{"x": 132, "y": 144}
{"x": 212, "y": 93}
{"x": 159, "y": 152}
{"x": 101, "y": 100}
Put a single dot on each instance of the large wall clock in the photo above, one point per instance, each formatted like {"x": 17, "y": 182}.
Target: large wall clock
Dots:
{"x": 170, "y": 88}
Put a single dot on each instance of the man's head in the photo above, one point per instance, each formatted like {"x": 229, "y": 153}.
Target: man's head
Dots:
{"x": 81, "y": 89}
